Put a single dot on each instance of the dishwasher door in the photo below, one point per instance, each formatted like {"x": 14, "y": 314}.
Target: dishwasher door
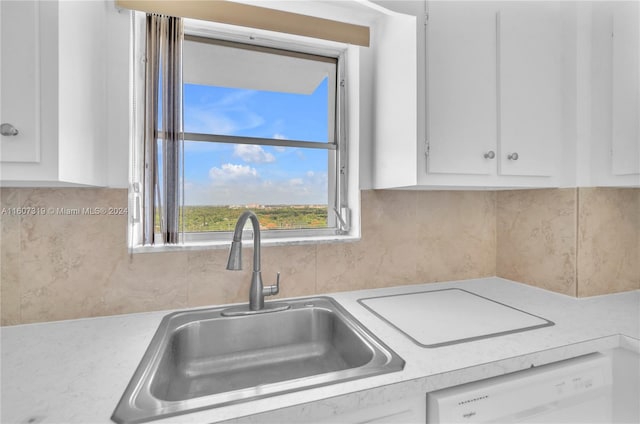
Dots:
{"x": 577, "y": 390}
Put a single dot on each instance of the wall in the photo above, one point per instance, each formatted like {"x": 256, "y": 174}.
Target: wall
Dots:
{"x": 70, "y": 266}
{"x": 576, "y": 241}
{"x": 537, "y": 238}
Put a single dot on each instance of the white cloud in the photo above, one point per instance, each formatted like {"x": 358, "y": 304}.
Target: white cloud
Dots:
{"x": 252, "y": 153}
{"x": 229, "y": 173}
{"x": 279, "y": 136}
{"x": 238, "y": 184}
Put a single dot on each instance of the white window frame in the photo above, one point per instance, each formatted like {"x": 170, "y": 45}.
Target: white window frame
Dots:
{"x": 347, "y": 226}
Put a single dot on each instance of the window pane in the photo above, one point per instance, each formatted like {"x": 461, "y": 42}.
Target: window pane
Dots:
{"x": 238, "y": 91}
{"x": 285, "y": 186}
{"x": 252, "y": 113}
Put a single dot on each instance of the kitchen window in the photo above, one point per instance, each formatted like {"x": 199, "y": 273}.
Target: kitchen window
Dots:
{"x": 259, "y": 123}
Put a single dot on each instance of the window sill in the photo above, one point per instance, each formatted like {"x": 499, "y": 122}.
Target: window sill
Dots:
{"x": 225, "y": 244}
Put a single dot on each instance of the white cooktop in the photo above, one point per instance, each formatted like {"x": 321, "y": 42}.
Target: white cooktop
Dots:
{"x": 443, "y": 317}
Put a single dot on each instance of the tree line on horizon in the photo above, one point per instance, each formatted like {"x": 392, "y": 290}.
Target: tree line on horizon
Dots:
{"x": 281, "y": 217}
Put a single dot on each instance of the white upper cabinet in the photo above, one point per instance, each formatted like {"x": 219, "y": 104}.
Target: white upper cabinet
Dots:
{"x": 397, "y": 94}
{"x": 611, "y": 147}
{"x": 490, "y": 107}
{"x": 462, "y": 92}
{"x": 61, "y": 93}
{"x": 531, "y": 89}
{"x": 626, "y": 89}
{"x": 20, "y": 102}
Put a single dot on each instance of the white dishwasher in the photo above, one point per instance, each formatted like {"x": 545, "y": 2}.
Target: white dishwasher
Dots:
{"x": 577, "y": 390}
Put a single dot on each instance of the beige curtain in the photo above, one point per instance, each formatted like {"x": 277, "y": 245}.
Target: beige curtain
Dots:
{"x": 163, "y": 135}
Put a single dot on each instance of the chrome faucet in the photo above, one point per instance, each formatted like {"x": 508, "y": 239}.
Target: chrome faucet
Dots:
{"x": 257, "y": 291}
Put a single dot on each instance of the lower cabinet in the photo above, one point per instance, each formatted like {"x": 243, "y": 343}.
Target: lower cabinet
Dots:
{"x": 626, "y": 383}
{"x": 406, "y": 411}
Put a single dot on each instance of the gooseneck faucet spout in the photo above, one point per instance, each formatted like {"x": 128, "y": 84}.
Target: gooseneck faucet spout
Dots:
{"x": 257, "y": 291}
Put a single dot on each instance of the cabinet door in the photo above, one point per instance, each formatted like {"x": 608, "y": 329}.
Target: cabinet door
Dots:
{"x": 531, "y": 88}
{"x": 19, "y": 80}
{"x": 461, "y": 88}
{"x": 411, "y": 410}
{"x": 626, "y": 89}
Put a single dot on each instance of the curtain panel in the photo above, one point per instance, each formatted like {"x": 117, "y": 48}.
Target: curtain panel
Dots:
{"x": 163, "y": 129}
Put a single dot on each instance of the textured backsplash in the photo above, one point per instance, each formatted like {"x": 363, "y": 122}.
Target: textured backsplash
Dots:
{"x": 580, "y": 242}
{"x": 537, "y": 238}
{"x": 574, "y": 241}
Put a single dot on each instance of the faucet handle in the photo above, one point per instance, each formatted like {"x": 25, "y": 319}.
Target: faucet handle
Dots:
{"x": 272, "y": 290}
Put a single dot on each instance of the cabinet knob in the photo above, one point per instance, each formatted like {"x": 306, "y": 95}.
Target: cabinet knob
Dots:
{"x": 8, "y": 130}
{"x": 490, "y": 154}
{"x": 512, "y": 156}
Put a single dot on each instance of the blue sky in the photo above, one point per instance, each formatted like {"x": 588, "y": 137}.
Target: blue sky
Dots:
{"x": 227, "y": 174}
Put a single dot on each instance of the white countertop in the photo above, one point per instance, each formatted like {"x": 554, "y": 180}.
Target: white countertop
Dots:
{"x": 76, "y": 371}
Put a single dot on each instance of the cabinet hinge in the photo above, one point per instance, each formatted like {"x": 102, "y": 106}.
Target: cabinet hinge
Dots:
{"x": 426, "y": 18}
{"x": 427, "y": 148}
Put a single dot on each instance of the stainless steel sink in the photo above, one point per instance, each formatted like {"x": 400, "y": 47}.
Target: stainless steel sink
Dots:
{"x": 201, "y": 359}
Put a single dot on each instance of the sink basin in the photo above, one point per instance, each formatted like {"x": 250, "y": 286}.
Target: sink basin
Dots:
{"x": 201, "y": 359}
